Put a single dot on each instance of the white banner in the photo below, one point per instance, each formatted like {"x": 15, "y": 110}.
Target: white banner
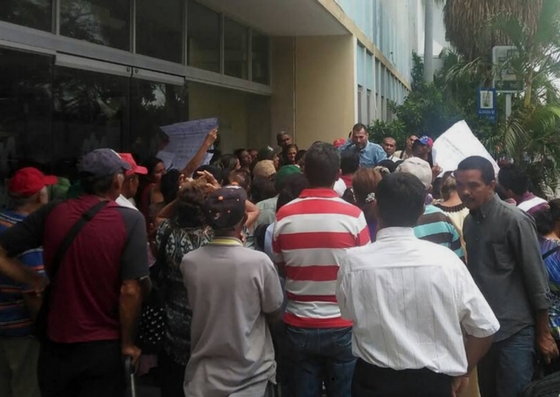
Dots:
{"x": 455, "y": 145}
{"x": 184, "y": 141}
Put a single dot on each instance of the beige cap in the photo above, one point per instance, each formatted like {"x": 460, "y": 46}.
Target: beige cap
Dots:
{"x": 419, "y": 168}
{"x": 264, "y": 168}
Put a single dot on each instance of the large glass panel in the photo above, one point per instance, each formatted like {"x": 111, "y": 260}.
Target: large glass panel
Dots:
{"x": 235, "y": 48}
{"x": 203, "y": 37}
{"x": 159, "y": 29}
{"x": 154, "y": 105}
{"x": 105, "y": 22}
{"x": 31, "y": 13}
{"x": 25, "y": 98}
{"x": 89, "y": 111}
{"x": 260, "y": 48}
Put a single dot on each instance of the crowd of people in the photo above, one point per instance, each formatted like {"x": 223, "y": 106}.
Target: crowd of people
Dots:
{"x": 346, "y": 269}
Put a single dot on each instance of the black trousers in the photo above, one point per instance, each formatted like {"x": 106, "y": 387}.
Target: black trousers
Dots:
{"x": 171, "y": 376}
{"x": 88, "y": 369}
{"x": 372, "y": 381}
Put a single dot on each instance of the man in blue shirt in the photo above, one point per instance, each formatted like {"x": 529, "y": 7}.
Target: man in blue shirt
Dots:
{"x": 370, "y": 153}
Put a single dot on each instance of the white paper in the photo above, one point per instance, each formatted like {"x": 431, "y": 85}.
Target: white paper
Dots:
{"x": 455, "y": 145}
{"x": 184, "y": 141}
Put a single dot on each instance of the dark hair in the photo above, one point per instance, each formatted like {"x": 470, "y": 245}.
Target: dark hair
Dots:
{"x": 237, "y": 152}
{"x": 190, "y": 204}
{"x": 92, "y": 185}
{"x": 389, "y": 164}
{"x": 400, "y": 199}
{"x": 290, "y": 146}
{"x": 300, "y": 155}
{"x": 215, "y": 171}
{"x": 150, "y": 163}
{"x": 546, "y": 219}
{"x": 226, "y": 164}
{"x": 322, "y": 163}
{"x": 358, "y": 127}
{"x": 481, "y": 164}
{"x": 262, "y": 188}
{"x": 436, "y": 188}
{"x": 349, "y": 161}
{"x": 170, "y": 185}
{"x": 511, "y": 177}
{"x": 265, "y": 154}
{"x": 293, "y": 186}
{"x": 242, "y": 177}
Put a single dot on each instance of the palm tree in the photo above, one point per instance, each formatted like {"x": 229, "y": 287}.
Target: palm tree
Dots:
{"x": 468, "y": 26}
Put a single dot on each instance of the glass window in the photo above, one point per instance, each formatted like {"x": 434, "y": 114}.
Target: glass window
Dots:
{"x": 260, "y": 46}
{"x": 236, "y": 49}
{"x": 31, "y": 13}
{"x": 360, "y": 112}
{"x": 25, "y": 92}
{"x": 203, "y": 37}
{"x": 105, "y": 22}
{"x": 153, "y": 105}
{"x": 159, "y": 29}
{"x": 89, "y": 111}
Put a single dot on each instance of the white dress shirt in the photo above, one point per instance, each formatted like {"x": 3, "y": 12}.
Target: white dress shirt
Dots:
{"x": 409, "y": 300}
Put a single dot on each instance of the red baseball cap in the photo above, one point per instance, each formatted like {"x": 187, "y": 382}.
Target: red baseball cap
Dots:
{"x": 134, "y": 168}
{"x": 339, "y": 142}
{"x": 28, "y": 181}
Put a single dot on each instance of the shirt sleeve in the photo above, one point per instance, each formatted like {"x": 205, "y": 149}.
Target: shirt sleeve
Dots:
{"x": 277, "y": 257}
{"x": 28, "y": 233}
{"x": 341, "y": 291}
{"x": 523, "y": 240}
{"x": 380, "y": 154}
{"x": 345, "y": 146}
{"x": 476, "y": 316}
{"x": 134, "y": 260}
{"x": 272, "y": 296}
{"x": 455, "y": 246}
{"x": 363, "y": 237}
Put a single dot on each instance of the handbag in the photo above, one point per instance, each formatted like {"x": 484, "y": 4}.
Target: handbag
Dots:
{"x": 41, "y": 321}
{"x": 152, "y": 325}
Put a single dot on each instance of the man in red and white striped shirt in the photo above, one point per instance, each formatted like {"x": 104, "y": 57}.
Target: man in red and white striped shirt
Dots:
{"x": 310, "y": 237}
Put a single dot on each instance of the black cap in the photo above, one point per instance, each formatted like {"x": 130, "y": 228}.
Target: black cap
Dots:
{"x": 225, "y": 207}
{"x": 102, "y": 162}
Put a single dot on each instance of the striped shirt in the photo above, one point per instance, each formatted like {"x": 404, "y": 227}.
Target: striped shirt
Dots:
{"x": 309, "y": 240}
{"x": 14, "y": 316}
{"x": 436, "y": 227}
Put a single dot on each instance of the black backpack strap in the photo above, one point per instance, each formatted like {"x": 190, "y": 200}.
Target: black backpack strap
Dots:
{"x": 550, "y": 252}
{"x": 161, "y": 251}
{"x": 74, "y": 230}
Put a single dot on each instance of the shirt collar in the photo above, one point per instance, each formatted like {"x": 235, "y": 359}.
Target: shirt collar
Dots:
{"x": 486, "y": 208}
{"x": 391, "y": 233}
{"x": 526, "y": 197}
{"x": 318, "y": 192}
{"x": 229, "y": 241}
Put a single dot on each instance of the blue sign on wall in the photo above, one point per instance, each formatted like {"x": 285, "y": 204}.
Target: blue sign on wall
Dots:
{"x": 487, "y": 103}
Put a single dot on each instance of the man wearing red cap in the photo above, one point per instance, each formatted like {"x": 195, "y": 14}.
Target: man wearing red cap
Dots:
{"x": 131, "y": 182}
{"x": 19, "y": 351}
{"x": 96, "y": 292}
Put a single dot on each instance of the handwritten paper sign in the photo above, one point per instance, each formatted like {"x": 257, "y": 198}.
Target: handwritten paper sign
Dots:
{"x": 455, "y": 145}
{"x": 184, "y": 141}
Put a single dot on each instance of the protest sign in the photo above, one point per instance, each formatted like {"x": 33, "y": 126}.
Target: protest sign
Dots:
{"x": 455, "y": 145}
{"x": 184, "y": 141}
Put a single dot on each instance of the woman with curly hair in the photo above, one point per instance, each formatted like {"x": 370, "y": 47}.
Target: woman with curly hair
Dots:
{"x": 183, "y": 230}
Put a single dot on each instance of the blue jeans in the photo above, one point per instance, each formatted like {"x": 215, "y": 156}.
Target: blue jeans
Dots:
{"x": 508, "y": 366}
{"x": 317, "y": 355}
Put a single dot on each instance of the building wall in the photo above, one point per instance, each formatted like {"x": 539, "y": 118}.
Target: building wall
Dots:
{"x": 283, "y": 84}
{"x": 324, "y": 88}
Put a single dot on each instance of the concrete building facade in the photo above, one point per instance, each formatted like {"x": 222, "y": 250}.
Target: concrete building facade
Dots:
{"x": 81, "y": 74}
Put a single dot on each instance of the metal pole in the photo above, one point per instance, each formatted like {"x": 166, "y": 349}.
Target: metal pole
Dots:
{"x": 429, "y": 41}
{"x": 508, "y": 106}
